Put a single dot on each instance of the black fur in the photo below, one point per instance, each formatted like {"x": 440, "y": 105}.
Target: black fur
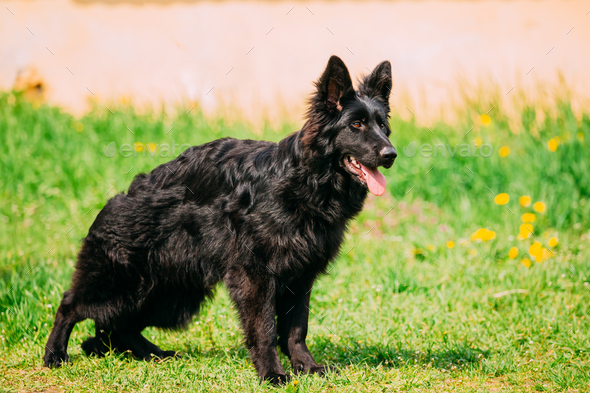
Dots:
{"x": 262, "y": 217}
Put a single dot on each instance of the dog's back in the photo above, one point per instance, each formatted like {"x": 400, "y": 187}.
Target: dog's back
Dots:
{"x": 174, "y": 233}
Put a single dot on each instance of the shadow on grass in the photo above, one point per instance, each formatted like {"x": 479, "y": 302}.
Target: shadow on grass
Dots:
{"x": 346, "y": 352}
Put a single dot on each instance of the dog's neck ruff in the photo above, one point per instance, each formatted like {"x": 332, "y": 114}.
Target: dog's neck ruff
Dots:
{"x": 316, "y": 184}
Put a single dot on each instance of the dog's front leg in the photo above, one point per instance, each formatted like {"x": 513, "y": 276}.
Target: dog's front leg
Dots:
{"x": 292, "y": 316}
{"x": 254, "y": 295}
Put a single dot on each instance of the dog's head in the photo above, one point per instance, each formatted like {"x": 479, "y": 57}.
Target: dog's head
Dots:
{"x": 352, "y": 126}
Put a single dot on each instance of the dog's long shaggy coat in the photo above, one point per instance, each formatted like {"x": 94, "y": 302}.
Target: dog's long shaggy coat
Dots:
{"x": 262, "y": 217}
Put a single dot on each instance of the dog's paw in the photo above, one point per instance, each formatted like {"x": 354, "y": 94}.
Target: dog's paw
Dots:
{"x": 169, "y": 354}
{"x": 93, "y": 345}
{"x": 54, "y": 359}
{"x": 318, "y": 369}
{"x": 321, "y": 370}
{"x": 277, "y": 379}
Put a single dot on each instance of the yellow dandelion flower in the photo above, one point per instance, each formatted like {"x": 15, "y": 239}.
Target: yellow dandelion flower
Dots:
{"x": 477, "y": 142}
{"x": 79, "y": 127}
{"x": 152, "y": 147}
{"x": 580, "y": 136}
{"x": 526, "y": 262}
{"x": 463, "y": 242}
{"x": 473, "y": 252}
{"x": 485, "y": 120}
{"x": 535, "y": 248}
{"x": 513, "y": 253}
{"x": 483, "y": 234}
{"x": 553, "y": 242}
{"x": 502, "y": 199}
{"x": 520, "y": 237}
{"x": 450, "y": 244}
{"x": 552, "y": 144}
{"x": 504, "y": 151}
{"x": 525, "y": 201}
{"x": 477, "y": 235}
{"x": 526, "y": 230}
{"x": 528, "y": 217}
{"x": 535, "y": 251}
{"x": 295, "y": 382}
{"x": 138, "y": 146}
{"x": 539, "y": 207}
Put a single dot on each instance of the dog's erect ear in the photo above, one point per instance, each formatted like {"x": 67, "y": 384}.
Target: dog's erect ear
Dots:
{"x": 334, "y": 83}
{"x": 378, "y": 83}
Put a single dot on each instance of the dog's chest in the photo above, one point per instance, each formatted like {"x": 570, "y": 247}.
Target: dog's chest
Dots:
{"x": 320, "y": 243}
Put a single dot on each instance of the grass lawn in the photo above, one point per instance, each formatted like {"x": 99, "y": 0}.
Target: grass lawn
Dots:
{"x": 427, "y": 294}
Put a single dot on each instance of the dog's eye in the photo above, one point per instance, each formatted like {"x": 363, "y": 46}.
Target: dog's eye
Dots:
{"x": 356, "y": 124}
{"x": 382, "y": 125}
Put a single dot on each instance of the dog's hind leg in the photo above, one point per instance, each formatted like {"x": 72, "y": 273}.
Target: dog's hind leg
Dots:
{"x": 124, "y": 341}
{"x": 98, "y": 345}
{"x": 65, "y": 320}
{"x": 140, "y": 346}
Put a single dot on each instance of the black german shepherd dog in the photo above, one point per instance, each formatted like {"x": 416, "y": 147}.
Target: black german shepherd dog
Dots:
{"x": 265, "y": 218}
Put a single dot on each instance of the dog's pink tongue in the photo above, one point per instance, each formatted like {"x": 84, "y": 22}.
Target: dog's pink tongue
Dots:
{"x": 375, "y": 180}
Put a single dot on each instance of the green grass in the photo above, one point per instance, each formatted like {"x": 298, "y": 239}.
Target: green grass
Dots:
{"x": 399, "y": 311}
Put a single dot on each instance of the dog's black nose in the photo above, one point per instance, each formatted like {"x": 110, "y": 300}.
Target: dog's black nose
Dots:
{"x": 388, "y": 153}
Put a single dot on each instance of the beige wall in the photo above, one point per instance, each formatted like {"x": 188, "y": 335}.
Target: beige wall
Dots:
{"x": 179, "y": 51}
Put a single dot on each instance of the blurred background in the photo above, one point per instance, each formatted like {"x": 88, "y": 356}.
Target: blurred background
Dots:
{"x": 469, "y": 274}
{"x": 260, "y": 57}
